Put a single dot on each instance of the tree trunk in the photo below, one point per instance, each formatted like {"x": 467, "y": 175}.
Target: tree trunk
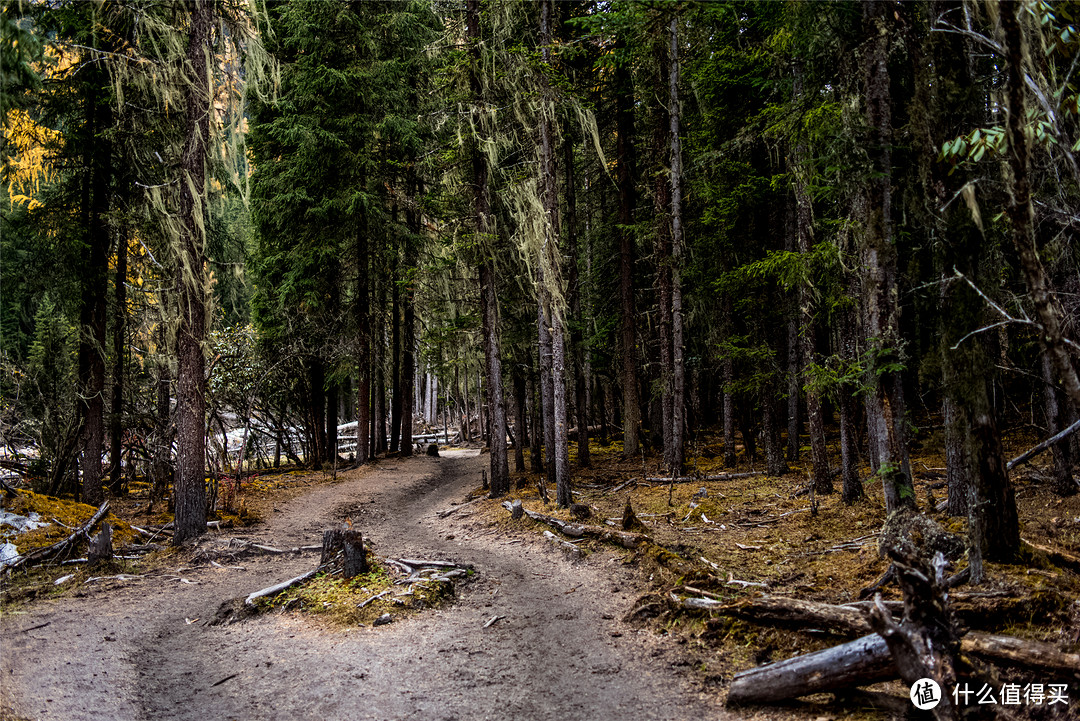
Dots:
{"x": 624, "y": 158}
{"x": 885, "y": 411}
{"x": 317, "y": 413}
{"x": 678, "y": 380}
{"x": 500, "y": 471}
{"x": 361, "y": 309}
{"x": 804, "y": 230}
{"x": 536, "y": 422}
{"x": 97, "y": 181}
{"x": 1061, "y": 451}
{"x": 1019, "y": 211}
{"x": 408, "y": 327}
{"x": 331, "y": 422}
{"x": 190, "y": 518}
{"x": 519, "y": 418}
{"x": 161, "y": 468}
{"x": 379, "y": 371}
{"x": 577, "y": 336}
{"x": 116, "y": 416}
{"x": 395, "y": 360}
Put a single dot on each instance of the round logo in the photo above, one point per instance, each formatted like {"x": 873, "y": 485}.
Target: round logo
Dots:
{"x": 925, "y": 694}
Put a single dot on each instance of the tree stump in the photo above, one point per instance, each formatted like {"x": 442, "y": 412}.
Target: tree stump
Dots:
{"x": 350, "y": 544}
{"x": 516, "y": 510}
{"x": 353, "y": 551}
{"x": 630, "y": 520}
{"x": 101, "y": 550}
{"x": 332, "y": 542}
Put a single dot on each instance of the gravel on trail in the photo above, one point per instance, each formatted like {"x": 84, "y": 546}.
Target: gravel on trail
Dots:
{"x": 140, "y": 649}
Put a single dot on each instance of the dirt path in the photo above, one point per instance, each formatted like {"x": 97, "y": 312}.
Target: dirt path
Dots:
{"x": 128, "y": 652}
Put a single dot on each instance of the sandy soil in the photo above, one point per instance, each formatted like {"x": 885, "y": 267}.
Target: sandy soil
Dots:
{"x": 133, "y": 649}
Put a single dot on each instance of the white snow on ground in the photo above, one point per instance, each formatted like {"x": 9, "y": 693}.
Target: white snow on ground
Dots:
{"x": 8, "y": 554}
{"x": 21, "y": 524}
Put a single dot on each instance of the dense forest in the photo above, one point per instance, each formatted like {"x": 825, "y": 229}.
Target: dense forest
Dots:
{"x": 823, "y": 232}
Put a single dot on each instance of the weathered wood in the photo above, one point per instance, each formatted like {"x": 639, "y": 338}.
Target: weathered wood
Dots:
{"x": 1059, "y": 557}
{"x": 843, "y": 620}
{"x": 1018, "y": 652}
{"x": 621, "y": 538}
{"x": 698, "y": 479}
{"x": 101, "y": 549}
{"x": 1043, "y": 446}
{"x": 455, "y": 509}
{"x": 279, "y": 587}
{"x": 857, "y": 663}
{"x": 355, "y": 560}
{"x": 44, "y": 554}
{"x": 867, "y": 660}
{"x": 332, "y": 543}
{"x": 516, "y": 510}
{"x": 572, "y": 550}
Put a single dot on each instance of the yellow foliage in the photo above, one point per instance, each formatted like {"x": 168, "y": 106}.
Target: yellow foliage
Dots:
{"x": 30, "y": 163}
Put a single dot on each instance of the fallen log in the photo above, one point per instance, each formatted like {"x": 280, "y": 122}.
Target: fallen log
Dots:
{"x": 622, "y": 538}
{"x": 842, "y": 620}
{"x": 698, "y": 479}
{"x": 867, "y": 660}
{"x": 455, "y": 509}
{"x": 1043, "y": 446}
{"x": 279, "y": 587}
{"x": 851, "y": 620}
{"x": 44, "y": 554}
{"x": 860, "y": 662}
{"x": 1013, "y": 651}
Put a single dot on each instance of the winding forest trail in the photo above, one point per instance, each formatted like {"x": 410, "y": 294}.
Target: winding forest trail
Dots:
{"x": 128, "y": 652}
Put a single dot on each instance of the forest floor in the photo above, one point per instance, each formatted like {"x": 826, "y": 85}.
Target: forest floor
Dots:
{"x": 597, "y": 634}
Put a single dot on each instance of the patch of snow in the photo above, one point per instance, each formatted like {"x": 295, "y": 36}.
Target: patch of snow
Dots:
{"x": 22, "y": 523}
{"x": 8, "y": 554}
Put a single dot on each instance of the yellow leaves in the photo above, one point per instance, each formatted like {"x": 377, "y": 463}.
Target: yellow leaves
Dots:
{"x": 30, "y": 163}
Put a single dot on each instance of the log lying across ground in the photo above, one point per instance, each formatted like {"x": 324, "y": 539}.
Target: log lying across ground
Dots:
{"x": 861, "y": 662}
{"x": 692, "y": 479}
{"x": 44, "y": 554}
{"x": 625, "y": 539}
{"x": 867, "y": 660}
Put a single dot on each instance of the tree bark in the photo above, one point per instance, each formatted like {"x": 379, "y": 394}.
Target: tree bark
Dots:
{"x": 885, "y": 407}
{"x": 577, "y": 336}
{"x": 395, "y": 354}
{"x": 97, "y": 180}
{"x": 1061, "y": 451}
{"x": 1019, "y": 211}
{"x": 362, "y": 313}
{"x": 678, "y": 380}
{"x": 500, "y": 472}
{"x": 624, "y": 159}
{"x": 116, "y": 425}
{"x": 190, "y": 518}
